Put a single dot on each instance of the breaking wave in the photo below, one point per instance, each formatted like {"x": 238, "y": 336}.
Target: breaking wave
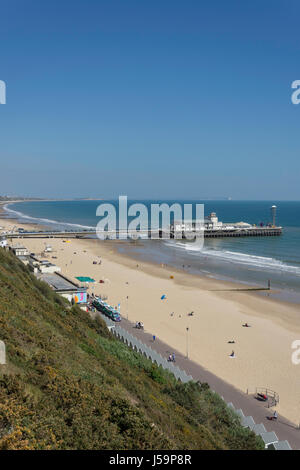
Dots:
{"x": 238, "y": 258}
{"x": 37, "y": 220}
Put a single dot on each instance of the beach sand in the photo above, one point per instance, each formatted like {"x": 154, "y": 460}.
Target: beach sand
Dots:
{"x": 262, "y": 352}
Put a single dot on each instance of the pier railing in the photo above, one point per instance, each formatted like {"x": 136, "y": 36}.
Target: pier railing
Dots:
{"x": 153, "y": 234}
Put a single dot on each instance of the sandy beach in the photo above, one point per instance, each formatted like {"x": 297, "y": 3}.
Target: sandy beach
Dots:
{"x": 262, "y": 352}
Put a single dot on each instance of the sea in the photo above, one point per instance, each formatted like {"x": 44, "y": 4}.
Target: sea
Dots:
{"x": 252, "y": 261}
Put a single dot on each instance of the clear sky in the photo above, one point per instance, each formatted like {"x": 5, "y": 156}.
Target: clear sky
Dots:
{"x": 153, "y": 99}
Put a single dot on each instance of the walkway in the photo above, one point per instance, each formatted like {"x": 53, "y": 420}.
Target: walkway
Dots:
{"x": 250, "y": 406}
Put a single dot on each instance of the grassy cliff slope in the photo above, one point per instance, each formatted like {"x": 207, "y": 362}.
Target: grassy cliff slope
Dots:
{"x": 68, "y": 384}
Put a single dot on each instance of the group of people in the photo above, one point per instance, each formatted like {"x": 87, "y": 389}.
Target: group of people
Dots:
{"x": 190, "y": 314}
{"x": 171, "y": 357}
{"x": 95, "y": 262}
{"x": 245, "y": 325}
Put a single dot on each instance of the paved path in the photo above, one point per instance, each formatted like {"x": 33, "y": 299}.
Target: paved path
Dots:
{"x": 250, "y": 406}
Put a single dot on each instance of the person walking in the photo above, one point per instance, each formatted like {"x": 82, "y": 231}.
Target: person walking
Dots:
{"x": 173, "y": 357}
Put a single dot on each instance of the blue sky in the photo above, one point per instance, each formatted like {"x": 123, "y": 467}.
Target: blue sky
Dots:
{"x": 160, "y": 99}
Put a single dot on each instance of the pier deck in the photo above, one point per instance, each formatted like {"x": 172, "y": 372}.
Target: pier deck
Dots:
{"x": 155, "y": 234}
{"x": 249, "y": 232}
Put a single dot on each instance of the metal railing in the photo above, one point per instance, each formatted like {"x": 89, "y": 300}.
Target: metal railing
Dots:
{"x": 272, "y": 396}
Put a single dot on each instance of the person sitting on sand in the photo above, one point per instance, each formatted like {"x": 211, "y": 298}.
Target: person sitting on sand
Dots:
{"x": 246, "y": 325}
{"x": 232, "y": 354}
{"x": 231, "y": 342}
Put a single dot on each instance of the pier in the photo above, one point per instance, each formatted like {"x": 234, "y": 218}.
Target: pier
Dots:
{"x": 251, "y": 231}
{"x": 236, "y": 232}
{"x": 51, "y": 234}
{"x": 212, "y": 227}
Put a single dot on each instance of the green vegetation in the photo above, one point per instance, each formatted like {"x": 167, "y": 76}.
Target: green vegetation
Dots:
{"x": 68, "y": 384}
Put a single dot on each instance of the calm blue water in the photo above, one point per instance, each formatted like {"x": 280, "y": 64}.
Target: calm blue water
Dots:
{"x": 252, "y": 260}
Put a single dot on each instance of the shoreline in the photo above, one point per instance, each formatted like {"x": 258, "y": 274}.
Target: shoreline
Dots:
{"x": 263, "y": 352}
{"x": 278, "y": 294}
{"x": 223, "y": 285}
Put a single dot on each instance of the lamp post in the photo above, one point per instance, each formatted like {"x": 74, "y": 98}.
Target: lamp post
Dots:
{"x": 187, "y": 342}
{"x": 127, "y": 298}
